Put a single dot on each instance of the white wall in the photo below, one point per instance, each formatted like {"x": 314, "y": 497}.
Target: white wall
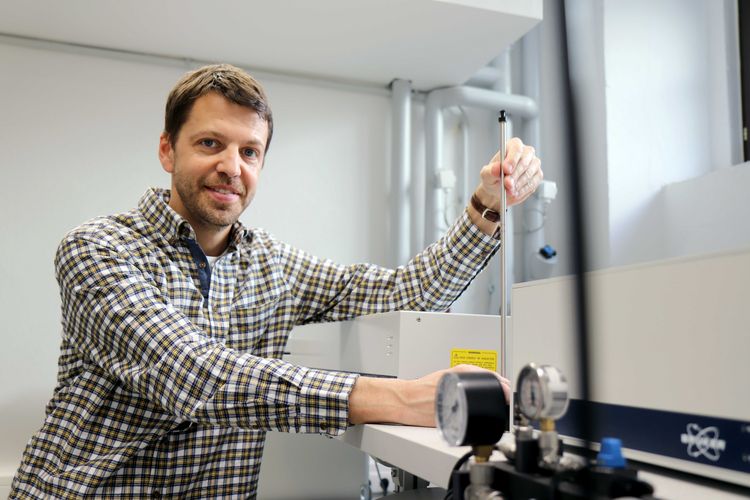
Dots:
{"x": 708, "y": 214}
{"x": 656, "y": 88}
{"x": 667, "y": 118}
{"x": 78, "y": 141}
{"x": 79, "y": 136}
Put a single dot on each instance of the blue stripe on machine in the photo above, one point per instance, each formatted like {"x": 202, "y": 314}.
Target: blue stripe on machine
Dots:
{"x": 715, "y": 441}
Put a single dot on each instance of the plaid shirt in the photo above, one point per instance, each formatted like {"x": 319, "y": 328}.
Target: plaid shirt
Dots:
{"x": 169, "y": 371}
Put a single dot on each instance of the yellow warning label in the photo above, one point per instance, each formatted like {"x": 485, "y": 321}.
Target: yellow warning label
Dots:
{"x": 483, "y": 359}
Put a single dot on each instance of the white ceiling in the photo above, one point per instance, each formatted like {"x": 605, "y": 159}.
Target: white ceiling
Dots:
{"x": 431, "y": 42}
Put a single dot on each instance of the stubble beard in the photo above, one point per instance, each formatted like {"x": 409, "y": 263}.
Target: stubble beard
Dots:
{"x": 202, "y": 209}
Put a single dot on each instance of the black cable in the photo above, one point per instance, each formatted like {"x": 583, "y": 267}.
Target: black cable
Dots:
{"x": 383, "y": 483}
{"x": 458, "y": 465}
{"x": 586, "y": 424}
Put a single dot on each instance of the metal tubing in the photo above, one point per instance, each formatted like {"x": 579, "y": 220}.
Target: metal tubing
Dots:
{"x": 485, "y": 77}
{"x": 400, "y": 171}
{"x": 503, "y": 246}
{"x": 503, "y": 64}
{"x": 504, "y": 86}
{"x": 532, "y": 240}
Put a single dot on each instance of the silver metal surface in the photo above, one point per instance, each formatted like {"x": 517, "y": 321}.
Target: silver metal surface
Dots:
{"x": 503, "y": 245}
{"x": 481, "y": 476}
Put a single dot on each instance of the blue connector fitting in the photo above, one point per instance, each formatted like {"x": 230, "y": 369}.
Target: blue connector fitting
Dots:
{"x": 610, "y": 454}
{"x": 547, "y": 252}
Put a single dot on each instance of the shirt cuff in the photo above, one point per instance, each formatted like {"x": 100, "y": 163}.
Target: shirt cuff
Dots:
{"x": 323, "y": 402}
{"x": 466, "y": 239}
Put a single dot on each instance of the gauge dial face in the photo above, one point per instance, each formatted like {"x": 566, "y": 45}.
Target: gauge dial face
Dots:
{"x": 530, "y": 397}
{"x": 451, "y": 409}
{"x": 471, "y": 408}
{"x": 542, "y": 392}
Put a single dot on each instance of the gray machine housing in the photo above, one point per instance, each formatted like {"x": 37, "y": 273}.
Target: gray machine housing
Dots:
{"x": 403, "y": 344}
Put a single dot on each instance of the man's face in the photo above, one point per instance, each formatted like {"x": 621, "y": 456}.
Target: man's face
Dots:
{"x": 215, "y": 162}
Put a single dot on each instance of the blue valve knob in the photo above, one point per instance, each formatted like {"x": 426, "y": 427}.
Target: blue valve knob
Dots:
{"x": 610, "y": 454}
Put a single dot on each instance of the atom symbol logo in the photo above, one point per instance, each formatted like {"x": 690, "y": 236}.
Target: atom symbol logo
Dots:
{"x": 703, "y": 442}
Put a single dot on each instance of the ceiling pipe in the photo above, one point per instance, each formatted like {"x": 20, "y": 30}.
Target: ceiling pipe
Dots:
{"x": 485, "y": 78}
{"x": 400, "y": 172}
{"x": 534, "y": 238}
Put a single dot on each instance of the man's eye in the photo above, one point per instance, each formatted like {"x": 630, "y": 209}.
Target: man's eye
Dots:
{"x": 209, "y": 143}
{"x": 250, "y": 153}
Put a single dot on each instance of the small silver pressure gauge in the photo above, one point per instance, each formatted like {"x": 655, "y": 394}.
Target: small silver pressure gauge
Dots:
{"x": 471, "y": 409}
{"x": 542, "y": 392}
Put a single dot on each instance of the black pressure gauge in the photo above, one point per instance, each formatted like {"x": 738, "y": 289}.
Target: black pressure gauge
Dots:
{"x": 542, "y": 392}
{"x": 471, "y": 409}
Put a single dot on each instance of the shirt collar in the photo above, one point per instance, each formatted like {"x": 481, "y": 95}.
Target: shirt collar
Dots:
{"x": 154, "y": 205}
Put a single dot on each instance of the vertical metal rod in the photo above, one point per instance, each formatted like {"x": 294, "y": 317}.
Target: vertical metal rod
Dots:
{"x": 503, "y": 241}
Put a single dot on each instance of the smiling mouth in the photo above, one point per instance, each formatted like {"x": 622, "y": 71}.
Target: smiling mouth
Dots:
{"x": 222, "y": 190}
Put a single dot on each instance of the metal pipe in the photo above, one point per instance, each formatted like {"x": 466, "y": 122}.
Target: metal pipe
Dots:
{"x": 504, "y": 85}
{"x": 503, "y": 246}
{"x": 532, "y": 241}
{"x": 400, "y": 171}
{"x": 464, "y": 177}
{"x": 502, "y": 63}
{"x": 485, "y": 77}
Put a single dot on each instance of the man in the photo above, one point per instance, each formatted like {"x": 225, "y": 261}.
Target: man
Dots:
{"x": 175, "y": 317}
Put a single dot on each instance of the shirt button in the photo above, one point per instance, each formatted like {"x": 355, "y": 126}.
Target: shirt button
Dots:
{"x": 156, "y": 494}
{"x": 323, "y": 426}
{"x": 202, "y": 265}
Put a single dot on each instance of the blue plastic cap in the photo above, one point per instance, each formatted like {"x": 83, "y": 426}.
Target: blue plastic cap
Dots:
{"x": 547, "y": 252}
{"x": 610, "y": 454}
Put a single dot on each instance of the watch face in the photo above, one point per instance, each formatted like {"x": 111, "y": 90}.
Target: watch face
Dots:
{"x": 451, "y": 409}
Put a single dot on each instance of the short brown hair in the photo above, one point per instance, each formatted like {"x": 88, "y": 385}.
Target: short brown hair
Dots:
{"x": 224, "y": 79}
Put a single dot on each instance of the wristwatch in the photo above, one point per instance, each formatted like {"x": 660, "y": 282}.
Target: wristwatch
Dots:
{"x": 487, "y": 214}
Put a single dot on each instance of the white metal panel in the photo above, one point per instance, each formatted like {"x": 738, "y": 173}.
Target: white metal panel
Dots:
{"x": 404, "y": 344}
{"x": 370, "y": 344}
{"x": 671, "y": 335}
{"x": 427, "y": 339}
{"x": 308, "y": 466}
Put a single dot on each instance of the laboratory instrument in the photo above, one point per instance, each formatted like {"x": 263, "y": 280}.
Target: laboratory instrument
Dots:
{"x": 531, "y": 462}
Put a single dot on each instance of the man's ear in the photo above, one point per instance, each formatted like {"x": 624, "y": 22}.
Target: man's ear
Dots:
{"x": 166, "y": 153}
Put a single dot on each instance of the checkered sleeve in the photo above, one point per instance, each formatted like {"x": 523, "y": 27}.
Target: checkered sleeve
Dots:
{"x": 118, "y": 319}
{"x": 431, "y": 281}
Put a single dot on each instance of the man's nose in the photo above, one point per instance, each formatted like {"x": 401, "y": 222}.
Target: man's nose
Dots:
{"x": 230, "y": 163}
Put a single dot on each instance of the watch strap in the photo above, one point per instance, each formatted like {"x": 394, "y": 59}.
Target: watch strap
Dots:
{"x": 485, "y": 212}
